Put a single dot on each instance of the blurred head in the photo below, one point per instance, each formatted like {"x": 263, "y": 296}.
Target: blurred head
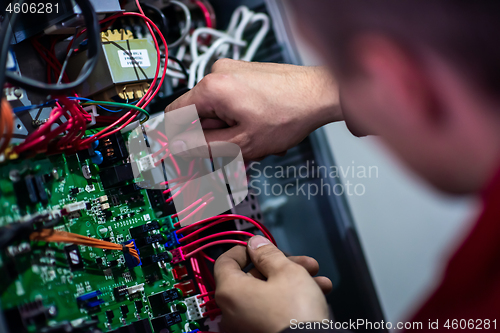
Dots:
{"x": 424, "y": 75}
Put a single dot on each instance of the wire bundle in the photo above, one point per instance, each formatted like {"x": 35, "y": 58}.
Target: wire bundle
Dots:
{"x": 76, "y": 118}
{"x": 232, "y": 39}
{"x": 54, "y": 236}
{"x": 191, "y": 233}
{"x": 74, "y": 127}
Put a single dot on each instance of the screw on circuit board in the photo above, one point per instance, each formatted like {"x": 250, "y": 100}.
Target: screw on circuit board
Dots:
{"x": 14, "y": 175}
{"x": 52, "y": 311}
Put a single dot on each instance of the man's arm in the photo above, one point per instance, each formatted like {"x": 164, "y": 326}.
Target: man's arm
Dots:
{"x": 263, "y": 108}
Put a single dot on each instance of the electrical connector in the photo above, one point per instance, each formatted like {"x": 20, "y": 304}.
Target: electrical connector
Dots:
{"x": 130, "y": 260}
{"x": 172, "y": 240}
{"x": 177, "y": 256}
{"x": 194, "y": 309}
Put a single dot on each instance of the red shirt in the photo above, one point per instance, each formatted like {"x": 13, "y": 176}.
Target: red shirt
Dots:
{"x": 468, "y": 297}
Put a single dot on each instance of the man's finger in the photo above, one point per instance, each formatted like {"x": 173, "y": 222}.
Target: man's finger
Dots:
{"x": 266, "y": 257}
{"x": 194, "y": 143}
{"x": 310, "y": 264}
{"x": 324, "y": 283}
{"x": 195, "y": 96}
{"x": 230, "y": 264}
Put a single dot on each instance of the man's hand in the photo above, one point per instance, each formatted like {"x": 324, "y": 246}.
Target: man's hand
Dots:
{"x": 263, "y": 108}
{"x": 277, "y": 290}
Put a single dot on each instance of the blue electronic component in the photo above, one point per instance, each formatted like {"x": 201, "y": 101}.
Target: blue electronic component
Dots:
{"x": 88, "y": 296}
{"x": 95, "y": 144}
{"x": 11, "y": 61}
{"x": 93, "y": 304}
{"x": 97, "y": 158}
{"x": 130, "y": 260}
{"x": 172, "y": 240}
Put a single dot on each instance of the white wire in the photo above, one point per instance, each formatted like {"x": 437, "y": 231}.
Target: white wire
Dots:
{"x": 196, "y": 34}
{"x": 211, "y": 52}
{"x": 259, "y": 37}
{"x": 187, "y": 28}
{"x": 200, "y": 55}
{"x": 174, "y": 74}
{"x": 238, "y": 34}
{"x": 195, "y": 67}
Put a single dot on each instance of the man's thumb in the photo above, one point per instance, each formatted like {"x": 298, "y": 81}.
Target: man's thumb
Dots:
{"x": 266, "y": 257}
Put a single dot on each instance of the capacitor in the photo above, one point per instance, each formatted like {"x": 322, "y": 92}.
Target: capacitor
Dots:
{"x": 97, "y": 158}
{"x": 95, "y": 144}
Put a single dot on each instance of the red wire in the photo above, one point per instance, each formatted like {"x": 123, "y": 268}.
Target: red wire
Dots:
{"x": 197, "y": 274}
{"x": 206, "y": 13}
{"x": 204, "y": 255}
{"x": 208, "y": 293}
{"x": 178, "y": 179}
{"x": 212, "y": 313}
{"x": 224, "y": 241}
{"x": 227, "y": 217}
{"x": 201, "y": 207}
{"x": 181, "y": 189}
{"x": 219, "y": 234}
{"x": 212, "y": 301}
{"x": 191, "y": 205}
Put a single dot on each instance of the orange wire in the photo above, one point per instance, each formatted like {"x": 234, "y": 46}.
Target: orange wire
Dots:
{"x": 6, "y": 125}
{"x": 55, "y": 236}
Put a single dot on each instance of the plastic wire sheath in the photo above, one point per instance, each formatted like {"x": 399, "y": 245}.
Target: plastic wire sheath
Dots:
{"x": 93, "y": 53}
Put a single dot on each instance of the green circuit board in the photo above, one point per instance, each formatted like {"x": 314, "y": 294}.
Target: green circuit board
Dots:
{"x": 51, "y": 284}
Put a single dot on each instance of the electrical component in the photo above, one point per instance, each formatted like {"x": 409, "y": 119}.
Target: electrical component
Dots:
{"x": 145, "y": 228}
{"x": 135, "y": 289}
{"x": 74, "y": 207}
{"x": 25, "y": 191}
{"x": 160, "y": 302}
{"x": 187, "y": 288}
{"x": 148, "y": 240}
{"x": 120, "y": 292}
{"x": 177, "y": 256}
{"x": 130, "y": 260}
{"x": 172, "y": 240}
{"x": 124, "y": 310}
{"x": 180, "y": 272}
{"x": 194, "y": 309}
{"x": 156, "y": 258}
{"x": 110, "y": 315}
{"x": 74, "y": 257}
{"x": 164, "y": 322}
{"x": 124, "y": 69}
{"x": 116, "y": 175}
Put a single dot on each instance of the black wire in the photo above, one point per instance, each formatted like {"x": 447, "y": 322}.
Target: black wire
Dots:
{"x": 181, "y": 64}
{"x": 93, "y": 53}
{"x": 4, "y": 45}
{"x": 21, "y": 230}
{"x": 163, "y": 23}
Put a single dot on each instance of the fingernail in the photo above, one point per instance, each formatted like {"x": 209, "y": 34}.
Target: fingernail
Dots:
{"x": 178, "y": 147}
{"x": 258, "y": 241}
